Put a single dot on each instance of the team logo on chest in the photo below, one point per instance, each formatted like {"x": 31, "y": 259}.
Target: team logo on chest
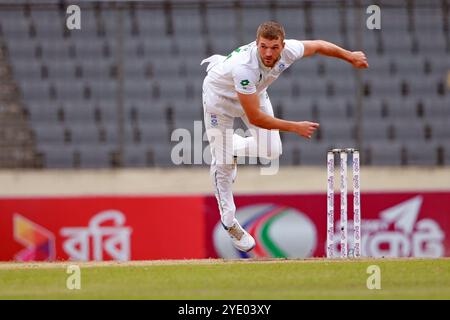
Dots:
{"x": 281, "y": 67}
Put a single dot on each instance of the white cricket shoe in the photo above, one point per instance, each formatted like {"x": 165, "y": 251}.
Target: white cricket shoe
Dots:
{"x": 242, "y": 240}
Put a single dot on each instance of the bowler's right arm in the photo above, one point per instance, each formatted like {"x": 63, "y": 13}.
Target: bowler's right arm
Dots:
{"x": 250, "y": 104}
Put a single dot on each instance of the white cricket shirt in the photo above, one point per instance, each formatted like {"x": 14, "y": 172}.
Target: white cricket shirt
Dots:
{"x": 243, "y": 71}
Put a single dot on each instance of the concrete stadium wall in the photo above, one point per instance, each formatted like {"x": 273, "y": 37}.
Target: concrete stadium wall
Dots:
{"x": 196, "y": 181}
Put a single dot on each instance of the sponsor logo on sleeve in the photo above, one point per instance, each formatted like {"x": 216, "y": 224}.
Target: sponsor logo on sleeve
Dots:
{"x": 244, "y": 84}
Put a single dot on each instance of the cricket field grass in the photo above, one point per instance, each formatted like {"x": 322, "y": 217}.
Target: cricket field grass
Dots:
{"x": 230, "y": 279}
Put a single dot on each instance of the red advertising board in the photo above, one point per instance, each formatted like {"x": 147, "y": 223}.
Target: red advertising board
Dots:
{"x": 393, "y": 225}
{"x": 174, "y": 227}
{"x": 102, "y": 228}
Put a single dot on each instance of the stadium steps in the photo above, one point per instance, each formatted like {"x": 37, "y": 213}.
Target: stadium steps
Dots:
{"x": 17, "y": 148}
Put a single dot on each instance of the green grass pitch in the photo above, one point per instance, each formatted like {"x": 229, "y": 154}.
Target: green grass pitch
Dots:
{"x": 230, "y": 279}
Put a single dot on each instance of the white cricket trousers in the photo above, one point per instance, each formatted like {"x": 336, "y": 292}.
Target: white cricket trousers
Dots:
{"x": 225, "y": 144}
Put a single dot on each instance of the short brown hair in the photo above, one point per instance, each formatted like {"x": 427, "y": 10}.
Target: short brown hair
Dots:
{"x": 270, "y": 30}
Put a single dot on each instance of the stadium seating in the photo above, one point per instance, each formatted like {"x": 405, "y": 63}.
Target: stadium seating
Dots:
{"x": 78, "y": 86}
